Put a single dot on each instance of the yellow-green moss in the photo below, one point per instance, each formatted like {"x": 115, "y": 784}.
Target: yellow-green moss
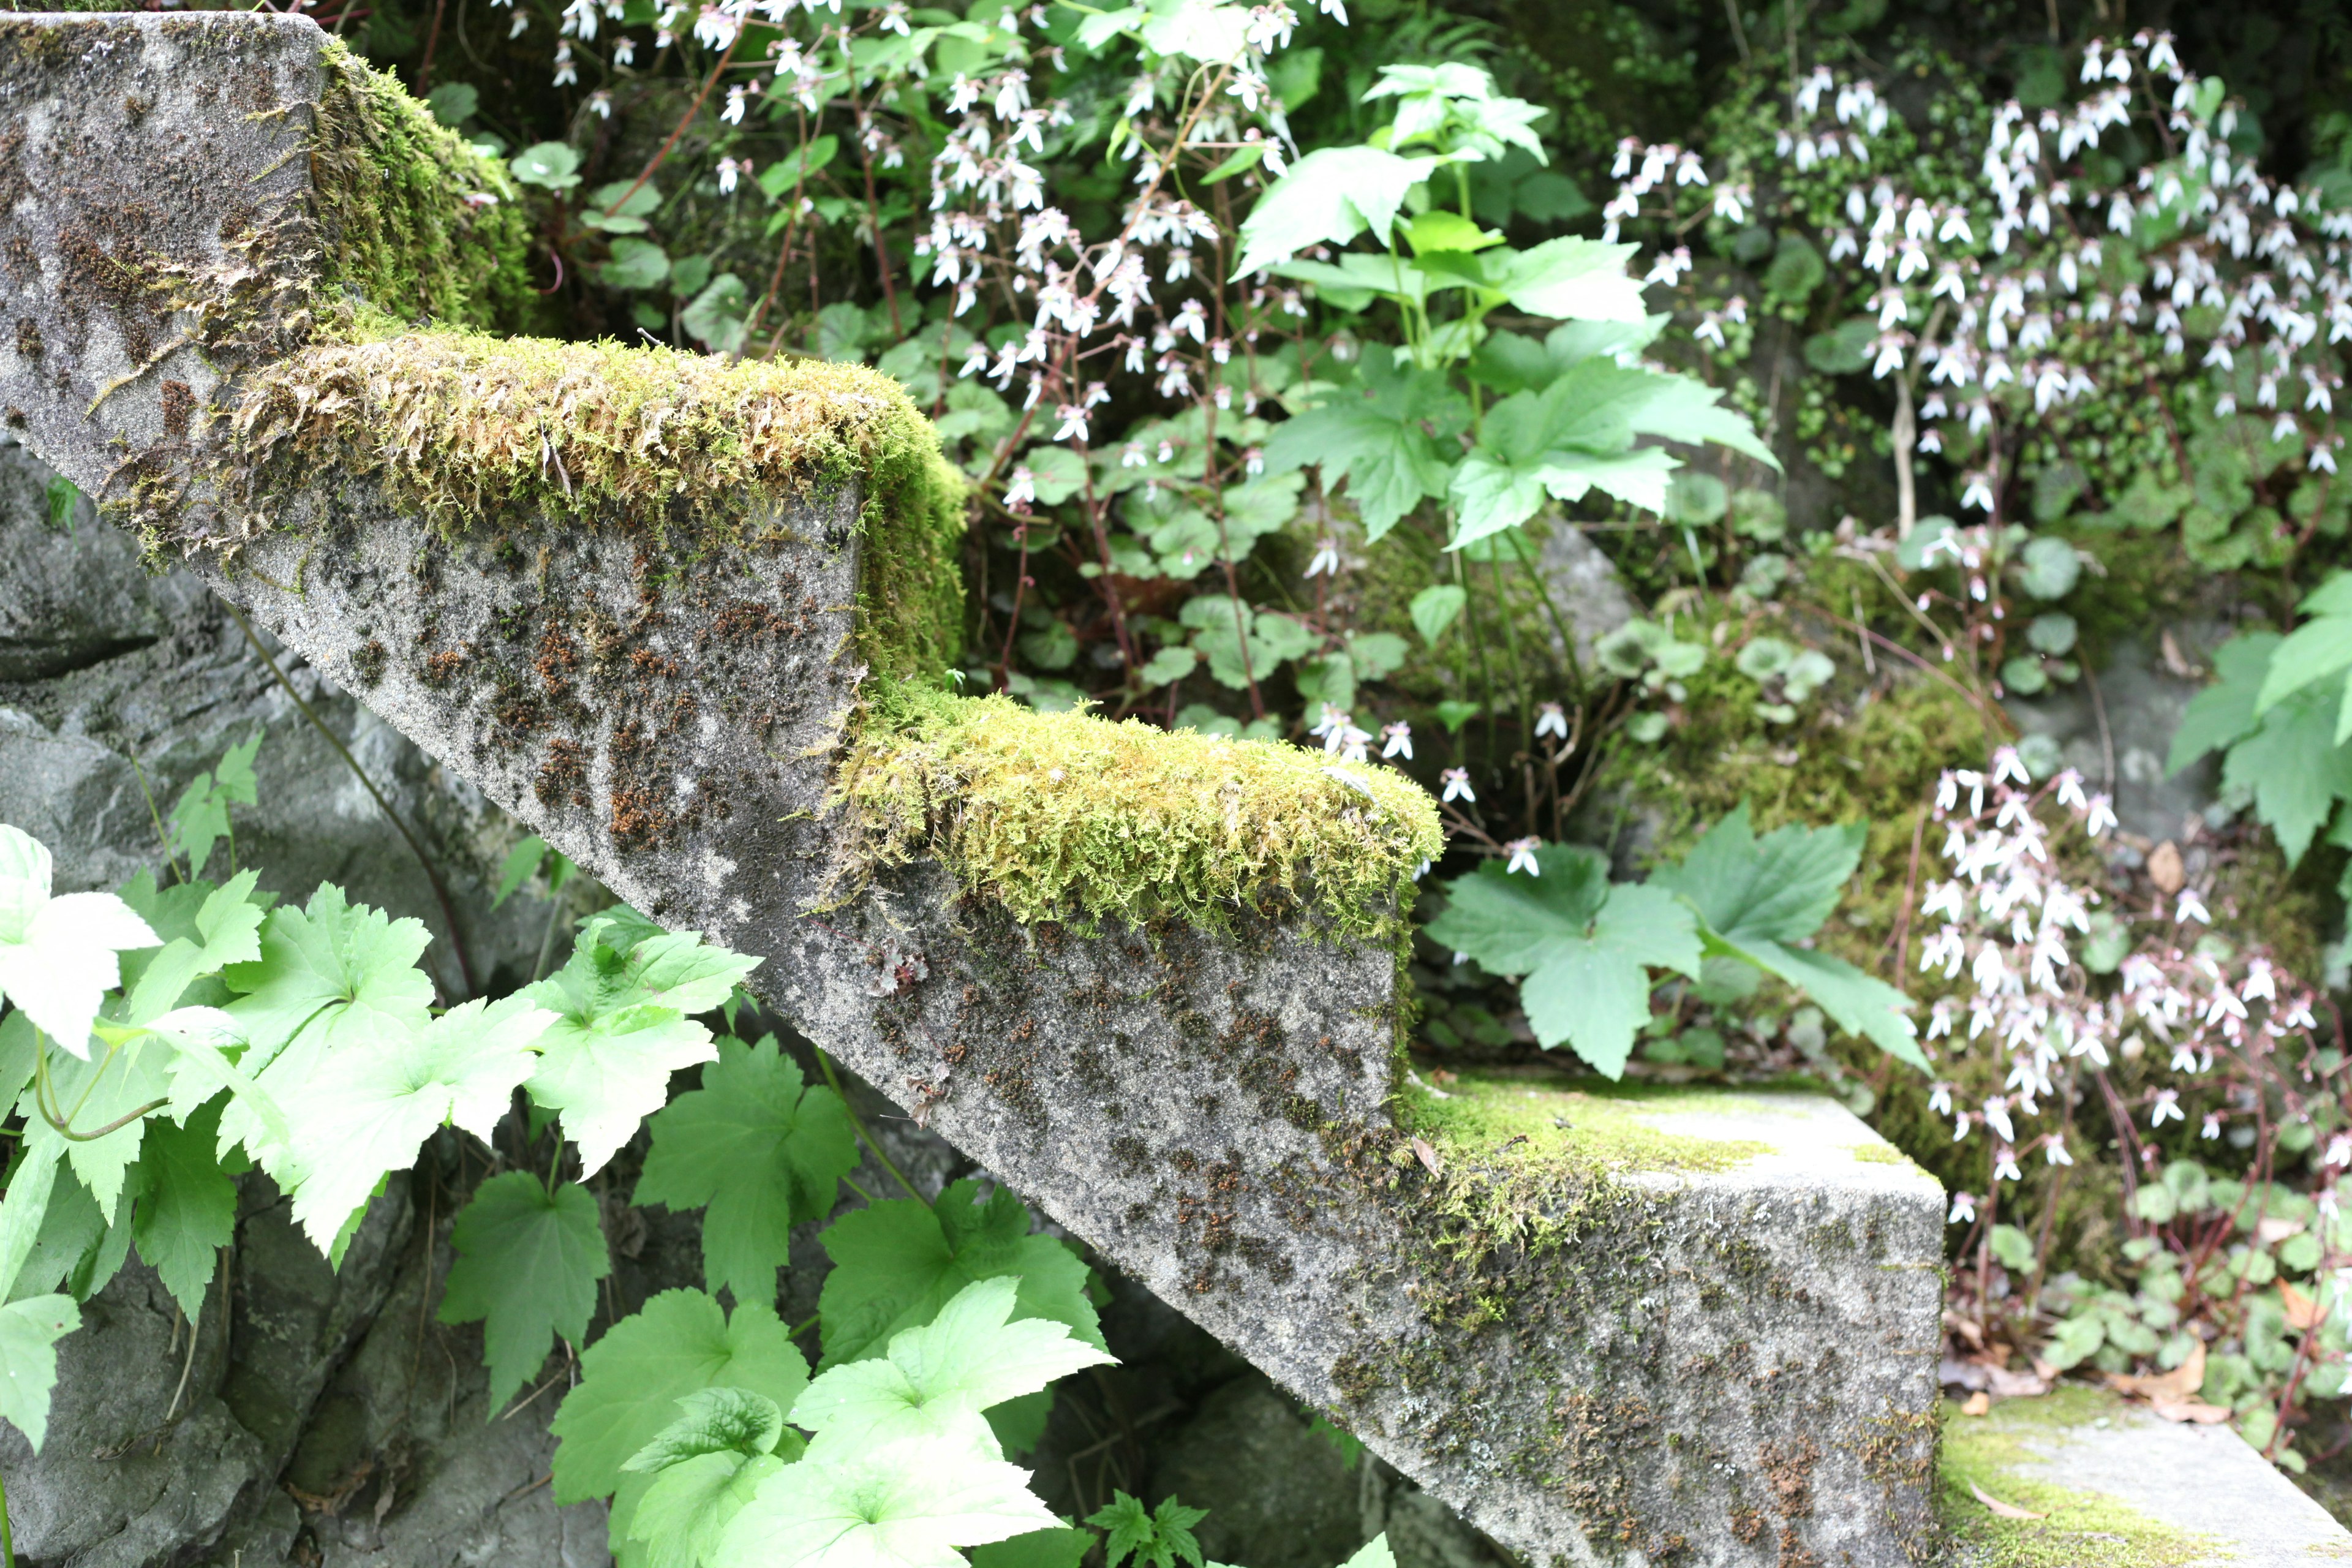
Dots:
{"x": 1590, "y": 1124}
{"x": 412, "y": 220}
{"x": 475, "y": 432}
{"x": 2082, "y": 1529}
{"x": 1065, "y": 816}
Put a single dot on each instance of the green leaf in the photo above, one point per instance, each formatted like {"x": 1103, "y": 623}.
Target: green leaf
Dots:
{"x": 2224, "y": 711}
{"x": 1573, "y": 278}
{"x": 1171, "y": 663}
{"x": 29, "y": 1333}
{"x": 632, "y": 1379}
{"x": 713, "y": 1421}
{"x": 897, "y": 1263}
{"x": 100, "y": 1091}
{"x": 226, "y": 929}
{"x": 605, "y": 1063}
{"x": 31, "y": 1181}
{"x": 185, "y": 1211}
{"x": 1157, "y": 1539}
{"x": 907, "y": 1506}
{"x": 796, "y": 168}
{"x": 1491, "y": 494}
{"x": 1240, "y": 161}
{"x": 1439, "y": 229}
{"x": 1435, "y": 608}
{"x": 1328, "y": 198}
{"x": 1777, "y": 888}
{"x": 551, "y": 165}
{"x": 1584, "y": 946}
{"x": 683, "y": 1514}
{"x": 2051, "y": 568}
{"x": 762, "y": 1152}
{"x": 521, "y": 864}
{"x": 332, "y": 973}
{"x": 1376, "y": 436}
{"x": 1854, "y": 1001}
{"x": 2294, "y": 768}
{"x": 635, "y": 264}
{"x": 527, "y": 1267}
{"x": 1062, "y": 1547}
{"x": 965, "y": 1361}
{"x": 364, "y": 1110}
{"x": 56, "y": 954}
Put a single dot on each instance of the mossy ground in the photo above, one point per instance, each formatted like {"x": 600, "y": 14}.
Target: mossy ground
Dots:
{"x": 1539, "y": 1119}
{"x": 2081, "y": 1529}
{"x": 1065, "y": 816}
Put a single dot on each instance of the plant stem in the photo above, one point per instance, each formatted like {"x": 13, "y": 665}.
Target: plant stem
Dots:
{"x": 832, "y": 1078}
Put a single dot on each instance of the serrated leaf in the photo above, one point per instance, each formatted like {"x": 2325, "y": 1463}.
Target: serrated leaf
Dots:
{"x": 897, "y": 1263}
{"x": 714, "y": 1420}
{"x": 2316, "y": 650}
{"x": 227, "y": 929}
{"x": 527, "y": 1267}
{"x": 965, "y": 1361}
{"x": 1584, "y": 946}
{"x": 1854, "y": 1001}
{"x": 1374, "y": 436}
{"x": 1777, "y": 888}
{"x": 56, "y": 954}
{"x": 1062, "y": 1547}
{"x": 606, "y": 1064}
{"x": 1572, "y": 279}
{"x": 100, "y": 1091}
{"x": 364, "y": 1110}
{"x": 29, "y": 1333}
{"x": 761, "y": 1150}
{"x": 686, "y": 1511}
{"x": 1435, "y": 608}
{"x": 2294, "y": 767}
{"x": 907, "y": 1506}
{"x": 632, "y": 1379}
{"x": 1328, "y": 198}
{"x": 2224, "y": 711}
{"x": 186, "y": 1210}
{"x": 22, "y": 1209}
{"x": 331, "y": 972}
{"x": 1155, "y": 1538}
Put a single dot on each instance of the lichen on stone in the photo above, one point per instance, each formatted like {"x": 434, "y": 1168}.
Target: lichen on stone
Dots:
{"x": 1070, "y": 818}
{"x": 480, "y": 434}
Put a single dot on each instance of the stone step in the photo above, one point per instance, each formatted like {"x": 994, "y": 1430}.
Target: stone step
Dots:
{"x": 2111, "y": 1482}
{"x": 692, "y": 621}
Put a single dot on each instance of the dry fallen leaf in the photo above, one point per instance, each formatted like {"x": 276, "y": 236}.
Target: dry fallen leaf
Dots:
{"x": 2006, "y": 1510}
{"x": 1976, "y": 1404}
{"x": 2303, "y": 1313}
{"x": 2178, "y": 1386}
{"x": 1428, "y": 1156}
{"x": 2195, "y": 1410}
{"x": 2173, "y": 658}
{"x": 2010, "y": 1384}
{"x": 2165, "y": 869}
{"x": 2271, "y": 1229}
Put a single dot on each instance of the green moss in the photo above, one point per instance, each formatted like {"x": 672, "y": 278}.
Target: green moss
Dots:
{"x": 1065, "y": 816}
{"x": 480, "y": 432}
{"x": 1593, "y": 1127}
{"x": 413, "y": 221}
{"x": 1880, "y": 1154}
{"x": 2081, "y": 1529}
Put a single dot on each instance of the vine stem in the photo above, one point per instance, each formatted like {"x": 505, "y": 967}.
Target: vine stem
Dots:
{"x": 688, "y": 119}
{"x": 833, "y": 1079}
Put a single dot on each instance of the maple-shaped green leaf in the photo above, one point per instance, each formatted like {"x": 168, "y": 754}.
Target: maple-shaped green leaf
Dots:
{"x": 967, "y": 1359}
{"x": 185, "y": 1209}
{"x": 100, "y": 1091}
{"x": 81, "y": 1245}
{"x": 1584, "y": 946}
{"x": 714, "y": 1420}
{"x": 200, "y": 817}
{"x": 57, "y": 954}
{"x": 761, "y": 1150}
{"x": 2223, "y": 712}
{"x": 29, "y": 1333}
{"x": 2318, "y": 650}
{"x": 897, "y": 1263}
{"x": 908, "y": 1505}
{"x": 1065, "y": 1546}
{"x": 687, "y": 1508}
{"x": 1155, "y": 1538}
{"x": 225, "y": 929}
{"x": 632, "y": 1378}
{"x": 31, "y": 1180}
{"x": 2294, "y": 767}
{"x": 1377, "y": 435}
{"x": 527, "y": 1267}
{"x": 1760, "y": 897}
{"x": 1569, "y": 278}
{"x": 623, "y": 1030}
{"x": 365, "y": 1109}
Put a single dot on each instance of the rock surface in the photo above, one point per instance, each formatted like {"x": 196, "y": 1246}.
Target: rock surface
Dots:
{"x": 2097, "y": 1467}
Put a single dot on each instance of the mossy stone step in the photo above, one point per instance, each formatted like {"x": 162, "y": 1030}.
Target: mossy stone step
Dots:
{"x": 2116, "y": 1486}
{"x": 691, "y": 620}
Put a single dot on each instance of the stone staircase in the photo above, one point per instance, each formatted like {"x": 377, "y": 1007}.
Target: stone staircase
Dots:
{"x": 690, "y": 620}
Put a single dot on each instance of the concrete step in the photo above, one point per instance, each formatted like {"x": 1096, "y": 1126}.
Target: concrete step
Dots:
{"x": 688, "y": 620}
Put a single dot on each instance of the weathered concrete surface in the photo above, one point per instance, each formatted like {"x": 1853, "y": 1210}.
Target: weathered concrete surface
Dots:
{"x": 1729, "y": 1365}
{"x": 2200, "y": 1493}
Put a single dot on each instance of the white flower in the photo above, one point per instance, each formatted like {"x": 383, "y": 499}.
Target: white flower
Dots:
{"x": 2212, "y": 1126}
{"x": 1964, "y": 1209}
{"x": 2005, "y": 1166}
{"x": 733, "y": 112}
{"x": 1327, "y": 558}
{"x": 2191, "y": 908}
{"x": 2102, "y": 816}
{"x": 56, "y": 954}
{"x": 1996, "y": 1115}
{"x": 1523, "y": 855}
{"x": 1457, "y": 786}
{"x": 2055, "y": 1152}
{"x": 1551, "y": 720}
{"x": 1939, "y": 1100}
{"x": 2167, "y": 1104}
{"x": 1399, "y": 738}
